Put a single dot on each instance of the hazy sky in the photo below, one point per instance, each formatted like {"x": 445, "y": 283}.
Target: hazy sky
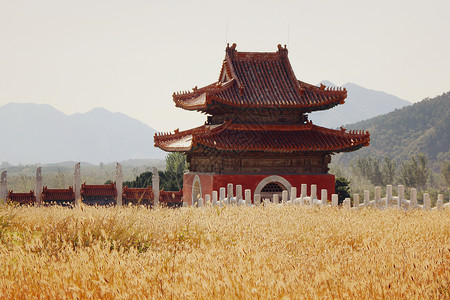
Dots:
{"x": 130, "y": 56}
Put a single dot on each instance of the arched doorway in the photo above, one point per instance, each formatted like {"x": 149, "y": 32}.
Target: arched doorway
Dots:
{"x": 273, "y": 185}
{"x": 196, "y": 190}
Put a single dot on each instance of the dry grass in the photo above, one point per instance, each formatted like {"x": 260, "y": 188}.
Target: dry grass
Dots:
{"x": 287, "y": 252}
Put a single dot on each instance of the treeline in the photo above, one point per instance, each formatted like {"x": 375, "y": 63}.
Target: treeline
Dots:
{"x": 415, "y": 172}
{"x": 170, "y": 180}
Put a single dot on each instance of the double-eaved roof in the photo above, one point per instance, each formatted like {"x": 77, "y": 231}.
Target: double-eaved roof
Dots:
{"x": 259, "y": 80}
{"x": 253, "y": 80}
{"x": 266, "y": 138}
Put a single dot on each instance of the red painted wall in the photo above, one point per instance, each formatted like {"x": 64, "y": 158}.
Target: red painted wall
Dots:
{"x": 211, "y": 183}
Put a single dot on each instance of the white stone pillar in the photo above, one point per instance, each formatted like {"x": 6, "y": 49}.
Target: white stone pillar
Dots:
{"x": 377, "y": 195}
{"x": 293, "y": 194}
{"x": 413, "y": 201}
{"x": 388, "y": 195}
{"x": 214, "y": 198}
{"x": 155, "y": 187}
{"x": 229, "y": 192}
{"x": 356, "y": 200}
{"x": 334, "y": 200}
{"x": 366, "y": 198}
{"x": 207, "y": 199}
{"x": 77, "y": 184}
{"x": 3, "y": 187}
{"x": 313, "y": 193}
{"x": 401, "y": 195}
{"x": 119, "y": 184}
{"x": 303, "y": 192}
{"x": 284, "y": 196}
{"x": 440, "y": 202}
{"x": 239, "y": 192}
{"x": 346, "y": 203}
{"x": 38, "y": 187}
{"x": 324, "y": 196}
{"x": 200, "y": 202}
{"x": 248, "y": 197}
{"x": 222, "y": 196}
{"x": 426, "y": 201}
{"x": 256, "y": 199}
{"x": 276, "y": 199}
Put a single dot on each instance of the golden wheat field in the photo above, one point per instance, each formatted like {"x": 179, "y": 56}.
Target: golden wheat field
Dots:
{"x": 226, "y": 253}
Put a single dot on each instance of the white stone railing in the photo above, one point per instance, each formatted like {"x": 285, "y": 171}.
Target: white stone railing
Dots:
{"x": 388, "y": 201}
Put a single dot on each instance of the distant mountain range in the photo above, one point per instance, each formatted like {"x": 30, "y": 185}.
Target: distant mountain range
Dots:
{"x": 361, "y": 104}
{"x": 36, "y": 133}
{"x": 423, "y": 127}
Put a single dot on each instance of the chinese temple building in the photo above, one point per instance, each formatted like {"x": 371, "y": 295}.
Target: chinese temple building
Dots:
{"x": 257, "y": 132}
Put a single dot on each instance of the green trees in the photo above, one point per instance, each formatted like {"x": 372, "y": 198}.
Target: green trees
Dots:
{"x": 342, "y": 189}
{"x": 170, "y": 180}
{"x": 445, "y": 170}
{"x": 369, "y": 167}
{"x": 415, "y": 172}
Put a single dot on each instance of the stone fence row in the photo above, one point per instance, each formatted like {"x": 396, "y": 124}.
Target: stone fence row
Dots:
{"x": 226, "y": 197}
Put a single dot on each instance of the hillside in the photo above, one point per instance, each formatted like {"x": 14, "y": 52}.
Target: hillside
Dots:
{"x": 420, "y": 128}
{"x": 35, "y": 133}
{"x": 361, "y": 104}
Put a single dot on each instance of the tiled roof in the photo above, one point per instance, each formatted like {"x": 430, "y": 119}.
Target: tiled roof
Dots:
{"x": 265, "y": 138}
{"x": 259, "y": 80}
{"x": 171, "y": 196}
{"x": 21, "y": 198}
{"x": 138, "y": 193}
{"x": 103, "y": 190}
{"x": 58, "y": 194}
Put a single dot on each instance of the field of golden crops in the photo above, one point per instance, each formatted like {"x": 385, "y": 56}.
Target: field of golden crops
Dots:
{"x": 233, "y": 252}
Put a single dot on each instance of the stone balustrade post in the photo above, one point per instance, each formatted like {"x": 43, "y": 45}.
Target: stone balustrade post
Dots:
{"x": 276, "y": 199}
{"x": 356, "y": 200}
{"x": 334, "y": 200}
{"x": 155, "y": 187}
{"x": 313, "y": 193}
{"x": 293, "y": 194}
{"x": 77, "y": 184}
{"x": 401, "y": 195}
{"x": 229, "y": 192}
{"x": 38, "y": 187}
{"x": 3, "y": 187}
{"x": 303, "y": 192}
{"x": 324, "y": 196}
{"x": 426, "y": 201}
{"x": 366, "y": 198}
{"x": 207, "y": 199}
{"x": 388, "y": 195}
{"x": 119, "y": 184}
{"x": 440, "y": 202}
{"x": 377, "y": 195}
{"x": 256, "y": 199}
{"x": 248, "y": 197}
{"x": 200, "y": 202}
{"x": 346, "y": 203}
{"x": 239, "y": 192}
{"x": 214, "y": 198}
{"x": 413, "y": 201}
{"x": 284, "y": 196}
{"x": 222, "y": 197}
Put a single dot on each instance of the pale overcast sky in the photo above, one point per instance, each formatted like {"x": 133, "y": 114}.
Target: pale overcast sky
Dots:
{"x": 130, "y": 56}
